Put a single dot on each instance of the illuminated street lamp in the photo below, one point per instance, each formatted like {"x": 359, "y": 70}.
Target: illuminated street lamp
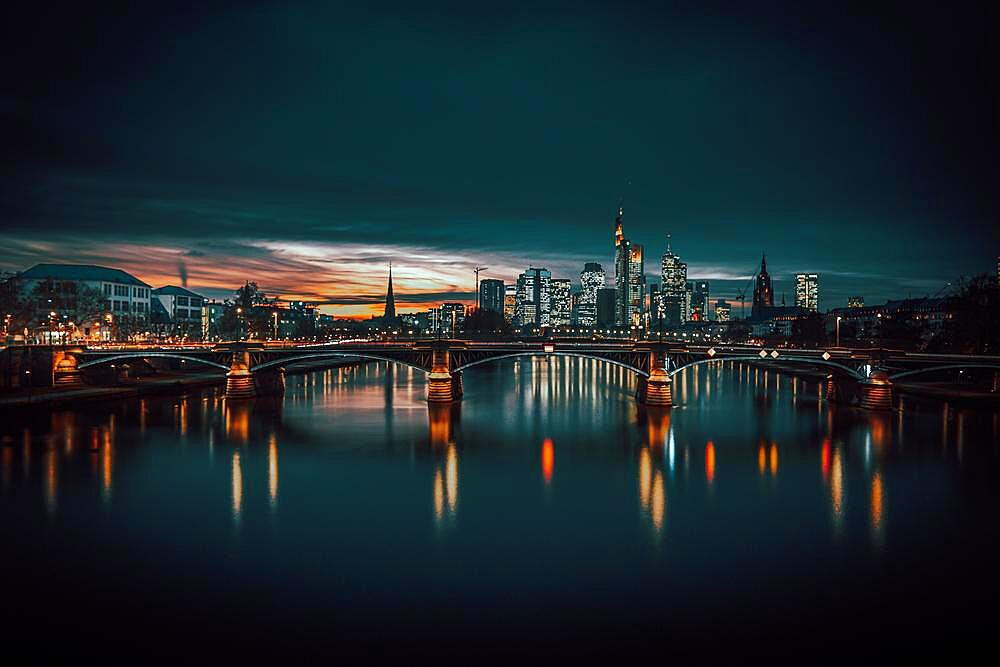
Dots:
{"x": 838, "y": 329}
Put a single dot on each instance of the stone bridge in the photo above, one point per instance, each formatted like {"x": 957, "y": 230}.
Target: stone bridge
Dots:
{"x": 253, "y": 368}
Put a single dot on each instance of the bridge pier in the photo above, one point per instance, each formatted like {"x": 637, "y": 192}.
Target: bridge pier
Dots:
{"x": 876, "y": 392}
{"x": 657, "y": 388}
{"x": 239, "y": 379}
{"x": 443, "y": 386}
{"x": 64, "y": 369}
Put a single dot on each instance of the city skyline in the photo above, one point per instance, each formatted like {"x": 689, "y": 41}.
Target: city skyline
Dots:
{"x": 230, "y": 147}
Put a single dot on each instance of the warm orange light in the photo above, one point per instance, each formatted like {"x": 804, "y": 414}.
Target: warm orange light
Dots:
{"x": 710, "y": 462}
{"x": 761, "y": 459}
{"x": 548, "y": 460}
{"x": 774, "y": 459}
{"x": 876, "y": 502}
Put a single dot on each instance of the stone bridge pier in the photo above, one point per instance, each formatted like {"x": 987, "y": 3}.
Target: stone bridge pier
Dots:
{"x": 443, "y": 385}
{"x": 657, "y": 388}
{"x": 239, "y": 378}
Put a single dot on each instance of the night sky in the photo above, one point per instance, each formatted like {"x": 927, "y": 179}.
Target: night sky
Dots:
{"x": 303, "y": 146}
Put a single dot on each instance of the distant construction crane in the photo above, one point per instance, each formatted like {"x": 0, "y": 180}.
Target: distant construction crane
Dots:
{"x": 477, "y": 270}
{"x": 742, "y": 294}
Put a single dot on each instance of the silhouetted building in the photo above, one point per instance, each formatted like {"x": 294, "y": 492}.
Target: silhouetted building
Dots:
{"x": 452, "y": 318}
{"x": 491, "y": 295}
{"x": 389, "y": 313}
{"x": 699, "y": 301}
{"x": 607, "y": 307}
{"x": 763, "y": 291}
{"x": 855, "y": 302}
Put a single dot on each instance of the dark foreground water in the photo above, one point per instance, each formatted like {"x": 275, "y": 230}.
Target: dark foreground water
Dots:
{"x": 547, "y": 514}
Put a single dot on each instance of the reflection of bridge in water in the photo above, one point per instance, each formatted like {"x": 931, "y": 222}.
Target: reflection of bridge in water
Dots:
{"x": 866, "y": 375}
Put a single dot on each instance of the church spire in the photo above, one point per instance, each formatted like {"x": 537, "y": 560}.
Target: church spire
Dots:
{"x": 390, "y": 300}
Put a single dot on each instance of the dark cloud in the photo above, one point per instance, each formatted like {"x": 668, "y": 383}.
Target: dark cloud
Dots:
{"x": 860, "y": 144}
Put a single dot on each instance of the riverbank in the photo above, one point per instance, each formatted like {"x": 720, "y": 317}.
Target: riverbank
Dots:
{"x": 146, "y": 386}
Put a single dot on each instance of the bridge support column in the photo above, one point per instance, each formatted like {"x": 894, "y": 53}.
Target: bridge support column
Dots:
{"x": 64, "y": 370}
{"x": 876, "y": 392}
{"x": 657, "y": 389}
{"x": 239, "y": 379}
{"x": 832, "y": 389}
{"x": 441, "y": 382}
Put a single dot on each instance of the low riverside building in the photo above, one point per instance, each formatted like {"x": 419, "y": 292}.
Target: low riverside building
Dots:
{"x": 85, "y": 301}
{"x": 183, "y": 311}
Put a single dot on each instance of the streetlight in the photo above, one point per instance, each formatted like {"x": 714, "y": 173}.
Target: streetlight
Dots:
{"x": 838, "y": 329}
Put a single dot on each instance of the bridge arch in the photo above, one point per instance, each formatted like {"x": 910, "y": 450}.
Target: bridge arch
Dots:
{"x": 329, "y": 355}
{"x": 146, "y": 355}
{"x": 540, "y": 353}
{"x": 932, "y": 369}
{"x": 852, "y": 373}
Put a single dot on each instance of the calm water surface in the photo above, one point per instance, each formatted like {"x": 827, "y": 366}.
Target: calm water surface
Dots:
{"x": 546, "y": 510}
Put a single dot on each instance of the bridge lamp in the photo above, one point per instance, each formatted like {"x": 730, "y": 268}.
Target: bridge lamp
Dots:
{"x": 774, "y": 354}
{"x": 711, "y": 352}
{"x": 763, "y": 354}
{"x": 548, "y": 348}
{"x": 826, "y": 356}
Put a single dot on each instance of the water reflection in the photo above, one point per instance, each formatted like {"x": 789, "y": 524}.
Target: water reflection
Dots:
{"x": 548, "y": 460}
{"x": 446, "y": 488}
{"x": 237, "y": 483}
{"x": 272, "y": 470}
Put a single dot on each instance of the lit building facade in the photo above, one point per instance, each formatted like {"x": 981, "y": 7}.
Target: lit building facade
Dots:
{"x": 183, "y": 309}
{"x": 621, "y": 271}
{"x": 534, "y": 298}
{"x": 509, "y": 302}
{"x": 674, "y": 297}
{"x": 636, "y": 286}
{"x": 700, "y": 303}
{"x": 855, "y": 302}
{"x": 723, "y": 310}
{"x": 807, "y": 291}
{"x": 561, "y": 307}
{"x": 592, "y": 278}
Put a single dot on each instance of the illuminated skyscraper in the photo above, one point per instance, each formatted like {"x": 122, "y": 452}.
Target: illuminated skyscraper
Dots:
{"x": 534, "y": 300}
{"x": 722, "y": 310}
{"x": 561, "y": 308}
{"x": 636, "y": 286}
{"x": 621, "y": 272}
{"x": 491, "y": 295}
{"x": 673, "y": 289}
{"x": 700, "y": 304}
{"x": 807, "y": 290}
{"x": 763, "y": 292}
{"x": 509, "y": 302}
{"x": 592, "y": 278}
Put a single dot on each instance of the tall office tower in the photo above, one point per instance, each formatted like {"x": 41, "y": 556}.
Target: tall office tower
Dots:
{"x": 763, "y": 291}
{"x": 509, "y": 302}
{"x": 700, "y": 303}
{"x": 534, "y": 298}
{"x": 722, "y": 310}
{"x": 807, "y": 290}
{"x": 491, "y": 295}
{"x": 673, "y": 289}
{"x": 654, "y": 307}
{"x": 622, "y": 256}
{"x": 390, "y": 300}
{"x": 562, "y": 302}
{"x": 452, "y": 318}
{"x": 592, "y": 278}
{"x": 855, "y": 302}
{"x": 636, "y": 286}
{"x": 607, "y": 307}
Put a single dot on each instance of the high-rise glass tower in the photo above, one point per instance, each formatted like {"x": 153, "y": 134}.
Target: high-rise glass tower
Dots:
{"x": 534, "y": 299}
{"x": 673, "y": 289}
{"x": 561, "y": 309}
{"x": 636, "y": 286}
{"x": 592, "y": 278}
{"x": 807, "y": 290}
{"x": 509, "y": 302}
{"x": 622, "y": 256}
{"x": 491, "y": 294}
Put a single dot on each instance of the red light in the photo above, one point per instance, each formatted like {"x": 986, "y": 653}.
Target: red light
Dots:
{"x": 710, "y": 462}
